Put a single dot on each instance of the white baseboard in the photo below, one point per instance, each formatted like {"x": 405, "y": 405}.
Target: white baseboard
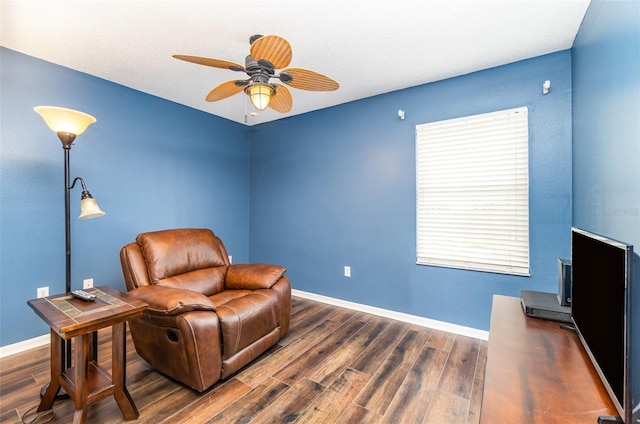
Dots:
{"x": 24, "y": 345}
{"x": 399, "y": 316}
{"x": 412, "y": 319}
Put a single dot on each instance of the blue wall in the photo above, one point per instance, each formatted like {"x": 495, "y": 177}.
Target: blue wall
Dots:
{"x": 606, "y": 135}
{"x": 336, "y": 187}
{"x": 151, "y": 164}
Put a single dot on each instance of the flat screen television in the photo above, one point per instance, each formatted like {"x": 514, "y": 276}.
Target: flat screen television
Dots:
{"x": 600, "y": 305}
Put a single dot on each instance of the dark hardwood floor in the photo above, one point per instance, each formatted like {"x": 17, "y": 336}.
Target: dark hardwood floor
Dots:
{"x": 335, "y": 365}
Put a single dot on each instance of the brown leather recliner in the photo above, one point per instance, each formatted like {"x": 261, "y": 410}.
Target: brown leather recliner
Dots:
{"x": 206, "y": 317}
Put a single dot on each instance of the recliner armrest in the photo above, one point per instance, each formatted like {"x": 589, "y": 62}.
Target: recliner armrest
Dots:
{"x": 252, "y": 276}
{"x": 172, "y": 301}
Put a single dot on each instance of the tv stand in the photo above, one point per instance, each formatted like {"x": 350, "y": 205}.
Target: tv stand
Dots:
{"x": 537, "y": 372}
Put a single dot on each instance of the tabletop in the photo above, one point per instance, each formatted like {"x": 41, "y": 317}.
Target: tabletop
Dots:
{"x": 70, "y": 317}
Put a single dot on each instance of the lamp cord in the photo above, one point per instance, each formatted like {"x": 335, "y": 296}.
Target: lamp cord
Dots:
{"x": 32, "y": 416}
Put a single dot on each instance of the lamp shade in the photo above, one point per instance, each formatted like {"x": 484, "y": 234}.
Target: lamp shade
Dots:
{"x": 60, "y": 119}
{"x": 260, "y": 95}
{"x": 89, "y": 208}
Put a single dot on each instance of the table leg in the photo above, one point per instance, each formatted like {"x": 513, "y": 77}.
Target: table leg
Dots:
{"x": 82, "y": 354}
{"x": 81, "y": 378}
{"x": 119, "y": 373}
{"x": 57, "y": 357}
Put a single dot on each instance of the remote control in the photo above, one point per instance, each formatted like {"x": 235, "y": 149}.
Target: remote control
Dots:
{"x": 81, "y": 294}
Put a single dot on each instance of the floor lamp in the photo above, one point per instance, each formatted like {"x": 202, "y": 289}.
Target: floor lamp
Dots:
{"x": 68, "y": 124}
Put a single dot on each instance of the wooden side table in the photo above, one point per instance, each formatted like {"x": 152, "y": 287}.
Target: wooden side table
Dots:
{"x": 85, "y": 381}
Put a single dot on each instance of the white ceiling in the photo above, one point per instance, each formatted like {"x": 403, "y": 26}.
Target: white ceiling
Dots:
{"x": 369, "y": 47}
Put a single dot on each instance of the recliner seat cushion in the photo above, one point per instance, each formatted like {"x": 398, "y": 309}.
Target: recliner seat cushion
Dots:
{"x": 206, "y": 281}
{"x": 225, "y": 296}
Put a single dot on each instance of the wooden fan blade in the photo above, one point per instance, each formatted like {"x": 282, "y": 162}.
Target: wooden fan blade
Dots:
{"x": 223, "y": 91}
{"x": 208, "y": 61}
{"x": 304, "y": 79}
{"x": 281, "y": 101}
{"x": 273, "y": 48}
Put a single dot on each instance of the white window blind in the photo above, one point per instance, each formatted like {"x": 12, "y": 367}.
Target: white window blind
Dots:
{"x": 472, "y": 181}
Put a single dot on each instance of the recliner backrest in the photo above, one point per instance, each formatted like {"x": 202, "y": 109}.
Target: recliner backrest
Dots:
{"x": 188, "y": 258}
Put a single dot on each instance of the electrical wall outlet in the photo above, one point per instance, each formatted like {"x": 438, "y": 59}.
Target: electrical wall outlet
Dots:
{"x": 42, "y": 291}
{"x": 347, "y": 271}
{"x": 87, "y": 283}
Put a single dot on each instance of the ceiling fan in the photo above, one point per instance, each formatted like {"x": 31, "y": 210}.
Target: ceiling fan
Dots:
{"x": 267, "y": 54}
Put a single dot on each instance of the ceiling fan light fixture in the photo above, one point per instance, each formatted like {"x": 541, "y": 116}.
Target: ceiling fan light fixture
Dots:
{"x": 269, "y": 57}
{"x": 260, "y": 95}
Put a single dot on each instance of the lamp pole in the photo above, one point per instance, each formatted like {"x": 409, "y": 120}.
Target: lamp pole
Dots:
{"x": 67, "y": 140}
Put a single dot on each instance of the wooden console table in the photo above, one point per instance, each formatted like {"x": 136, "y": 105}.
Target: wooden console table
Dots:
{"x": 86, "y": 382}
{"x": 537, "y": 372}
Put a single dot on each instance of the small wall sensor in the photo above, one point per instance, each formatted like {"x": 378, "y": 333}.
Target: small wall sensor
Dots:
{"x": 401, "y": 114}
{"x": 546, "y": 86}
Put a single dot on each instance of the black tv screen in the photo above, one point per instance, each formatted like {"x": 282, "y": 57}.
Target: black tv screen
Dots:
{"x": 601, "y": 269}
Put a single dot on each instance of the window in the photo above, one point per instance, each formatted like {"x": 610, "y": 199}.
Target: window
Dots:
{"x": 472, "y": 192}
